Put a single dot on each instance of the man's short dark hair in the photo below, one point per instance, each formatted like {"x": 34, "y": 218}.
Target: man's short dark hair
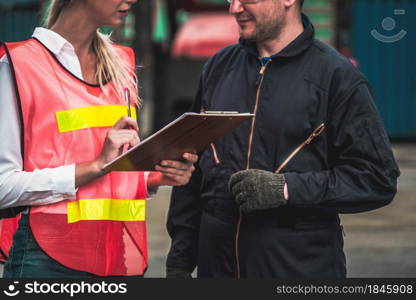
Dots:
{"x": 301, "y": 2}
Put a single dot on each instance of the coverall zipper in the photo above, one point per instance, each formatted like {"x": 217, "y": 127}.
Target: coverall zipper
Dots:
{"x": 259, "y": 84}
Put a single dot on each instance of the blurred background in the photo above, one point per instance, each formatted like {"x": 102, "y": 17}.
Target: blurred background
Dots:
{"x": 174, "y": 38}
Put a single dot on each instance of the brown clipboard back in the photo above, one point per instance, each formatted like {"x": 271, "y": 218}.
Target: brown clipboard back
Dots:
{"x": 191, "y": 132}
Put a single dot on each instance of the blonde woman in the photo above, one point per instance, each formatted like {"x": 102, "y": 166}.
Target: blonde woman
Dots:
{"x": 63, "y": 116}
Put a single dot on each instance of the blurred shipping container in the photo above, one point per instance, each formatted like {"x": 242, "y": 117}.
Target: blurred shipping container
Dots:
{"x": 18, "y": 18}
{"x": 383, "y": 38}
{"x": 323, "y": 15}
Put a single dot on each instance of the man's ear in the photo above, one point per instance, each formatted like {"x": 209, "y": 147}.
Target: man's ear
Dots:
{"x": 290, "y": 3}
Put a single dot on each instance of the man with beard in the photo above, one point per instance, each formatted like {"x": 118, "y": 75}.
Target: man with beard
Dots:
{"x": 264, "y": 200}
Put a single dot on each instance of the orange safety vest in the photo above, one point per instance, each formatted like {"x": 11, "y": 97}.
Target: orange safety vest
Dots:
{"x": 65, "y": 121}
{"x": 7, "y": 229}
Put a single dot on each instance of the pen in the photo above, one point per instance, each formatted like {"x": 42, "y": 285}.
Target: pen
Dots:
{"x": 127, "y": 98}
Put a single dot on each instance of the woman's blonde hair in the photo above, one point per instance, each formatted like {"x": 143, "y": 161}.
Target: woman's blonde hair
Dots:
{"x": 109, "y": 66}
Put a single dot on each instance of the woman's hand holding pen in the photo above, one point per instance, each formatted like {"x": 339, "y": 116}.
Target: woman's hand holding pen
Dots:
{"x": 173, "y": 173}
{"x": 124, "y": 132}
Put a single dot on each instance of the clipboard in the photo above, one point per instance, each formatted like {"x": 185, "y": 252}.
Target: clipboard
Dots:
{"x": 191, "y": 132}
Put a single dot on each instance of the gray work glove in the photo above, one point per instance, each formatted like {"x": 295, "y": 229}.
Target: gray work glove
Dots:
{"x": 177, "y": 273}
{"x": 257, "y": 190}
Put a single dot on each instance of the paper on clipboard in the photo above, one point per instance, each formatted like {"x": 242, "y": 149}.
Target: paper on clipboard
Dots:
{"x": 191, "y": 132}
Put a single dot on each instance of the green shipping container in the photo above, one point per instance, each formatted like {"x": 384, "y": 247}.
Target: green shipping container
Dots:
{"x": 384, "y": 42}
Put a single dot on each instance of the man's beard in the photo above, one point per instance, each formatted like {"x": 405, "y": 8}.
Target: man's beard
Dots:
{"x": 268, "y": 30}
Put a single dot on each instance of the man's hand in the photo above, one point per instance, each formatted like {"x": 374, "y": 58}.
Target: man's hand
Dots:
{"x": 257, "y": 190}
{"x": 173, "y": 173}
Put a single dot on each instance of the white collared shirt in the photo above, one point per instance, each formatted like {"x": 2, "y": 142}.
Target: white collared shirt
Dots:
{"x": 63, "y": 50}
{"x": 40, "y": 187}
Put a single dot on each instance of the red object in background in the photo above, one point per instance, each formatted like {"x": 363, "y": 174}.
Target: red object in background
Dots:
{"x": 194, "y": 6}
{"x": 204, "y": 34}
{"x": 348, "y": 54}
{"x": 354, "y": 62}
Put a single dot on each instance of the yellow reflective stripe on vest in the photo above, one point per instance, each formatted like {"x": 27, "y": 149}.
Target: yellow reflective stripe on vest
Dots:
{"x": 91, "y": 116}
{"x": 106, "y": 209}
